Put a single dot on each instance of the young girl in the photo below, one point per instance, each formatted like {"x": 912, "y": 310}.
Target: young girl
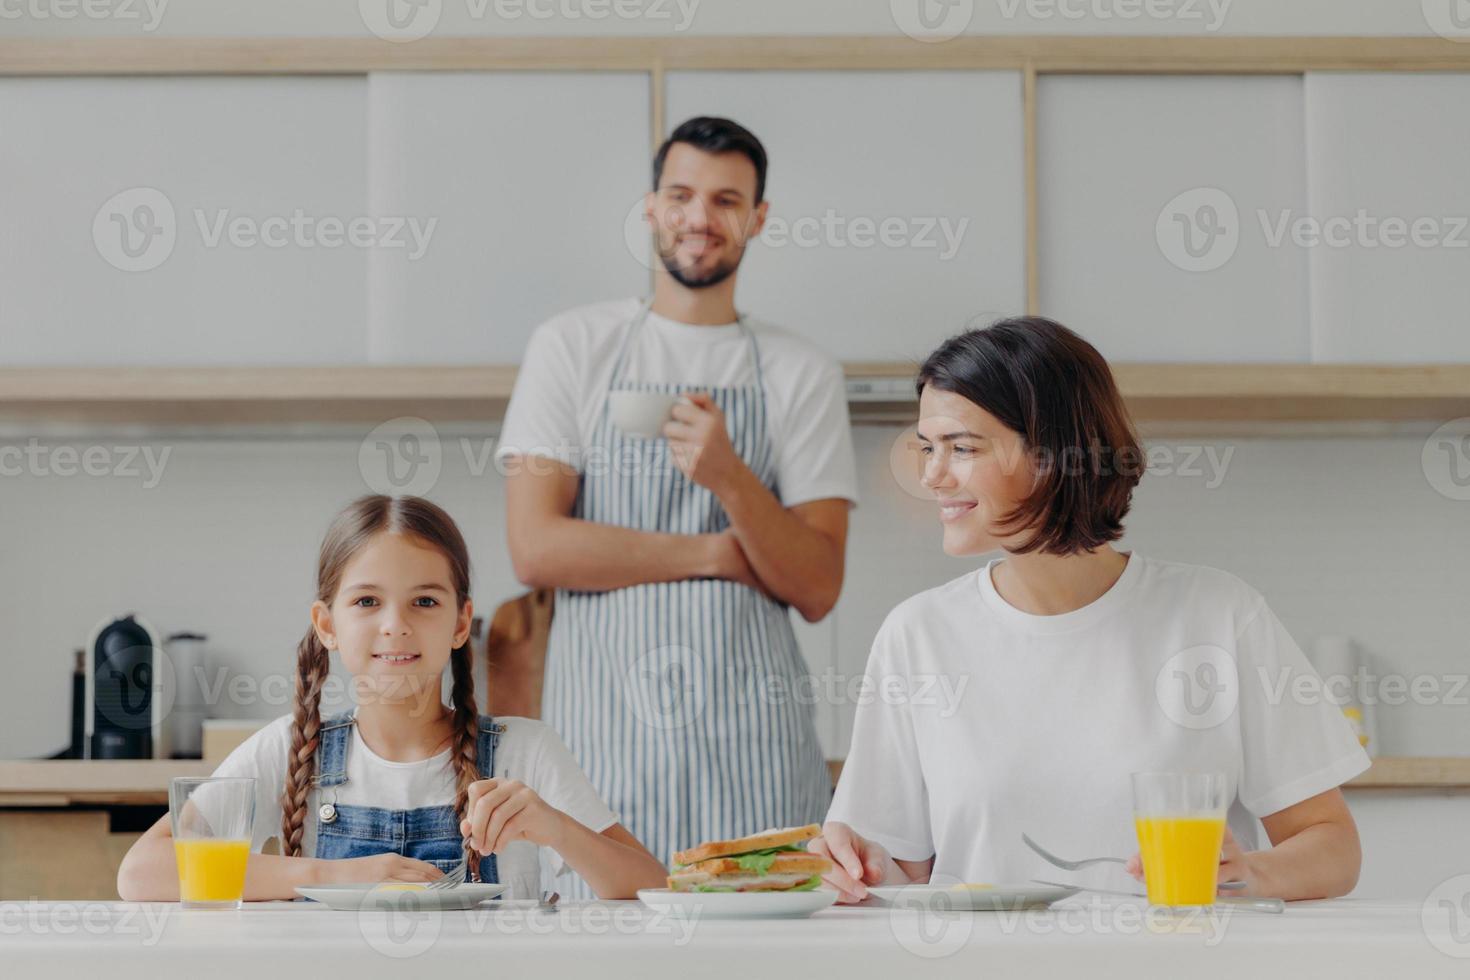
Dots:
{"x": 400, "y": 788}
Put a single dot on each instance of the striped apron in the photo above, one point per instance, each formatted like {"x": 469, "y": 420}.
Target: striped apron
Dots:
{"x": 684, "y": 702}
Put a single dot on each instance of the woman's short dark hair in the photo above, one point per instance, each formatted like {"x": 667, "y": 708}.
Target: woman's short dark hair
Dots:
{"x": 715, "y": 135}
{"x": 1053, "y": 388}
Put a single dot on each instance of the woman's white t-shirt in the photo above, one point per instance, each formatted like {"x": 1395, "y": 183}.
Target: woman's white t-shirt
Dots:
{"x": 563, "y": 381}
{"x": 528, "y": 751}
{"x": 985, "y": 722}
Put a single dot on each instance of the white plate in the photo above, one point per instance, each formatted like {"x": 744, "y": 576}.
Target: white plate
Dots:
{"x": 738, "y": 905}
{"x": 393, "y": 897}
{"x": 970, "y": 898}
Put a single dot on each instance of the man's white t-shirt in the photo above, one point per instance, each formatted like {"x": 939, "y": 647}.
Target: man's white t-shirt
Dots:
{"x": 564, "y": 377}
{"x": 996, "y": 722}
{"x": 529, "y": 751}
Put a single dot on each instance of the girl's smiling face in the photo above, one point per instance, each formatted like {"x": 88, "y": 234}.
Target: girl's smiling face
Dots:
{"x": 395, "y": 619}
{"x": 976, "y": 467}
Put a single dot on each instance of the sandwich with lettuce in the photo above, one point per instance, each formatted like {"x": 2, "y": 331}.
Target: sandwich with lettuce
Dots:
{"x": 770, "y": 861}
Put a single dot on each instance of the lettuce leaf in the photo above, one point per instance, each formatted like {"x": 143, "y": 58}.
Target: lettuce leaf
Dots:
{"x": 759, "y": 862}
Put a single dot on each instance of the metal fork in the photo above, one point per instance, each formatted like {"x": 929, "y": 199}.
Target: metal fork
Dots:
{"x": 454, "y": 876}
{"x": 1066, "y": 865}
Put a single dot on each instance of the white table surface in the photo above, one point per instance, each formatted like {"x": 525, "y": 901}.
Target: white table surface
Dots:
{"x": 1087, "y": 936}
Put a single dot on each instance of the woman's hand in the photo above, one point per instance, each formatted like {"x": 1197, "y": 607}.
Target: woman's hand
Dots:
{"x": 375, "y": 868}
{"x": 505, "y": 810}
{"x": 857, "y": 862}
{"x": 1234, "y": 866}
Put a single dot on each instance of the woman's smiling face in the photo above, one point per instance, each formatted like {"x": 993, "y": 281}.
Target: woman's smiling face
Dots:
{"x": 976, "y": 467}
{"x": 395, "y": 619}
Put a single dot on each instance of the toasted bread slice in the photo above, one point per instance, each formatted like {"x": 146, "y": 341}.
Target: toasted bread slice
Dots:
{"x": 685, "y": 882}
{"x": 755, "y": 842}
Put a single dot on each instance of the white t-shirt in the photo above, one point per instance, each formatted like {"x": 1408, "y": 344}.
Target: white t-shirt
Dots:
{"x": 528, "y": 750}
{"x": 1175, "y": 668}
{"x": 564, "y": 377}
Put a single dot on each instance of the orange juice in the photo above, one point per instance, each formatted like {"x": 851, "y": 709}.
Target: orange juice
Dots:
{"x": 211, "y": 870}
{"x": 1181, "y": 858}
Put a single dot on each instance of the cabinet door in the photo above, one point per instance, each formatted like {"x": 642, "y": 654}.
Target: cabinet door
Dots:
{"x": 529, "y": 178}
{"x": 181, "y": 220}
{"x": 1387, "y": 161}
{"x": 1151, "y": 191}
{"x": 896, "y": 209}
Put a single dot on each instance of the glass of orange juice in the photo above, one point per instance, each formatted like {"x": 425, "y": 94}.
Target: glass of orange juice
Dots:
{"x": 212, "y": 820}
{"x": 1180, "y": 820}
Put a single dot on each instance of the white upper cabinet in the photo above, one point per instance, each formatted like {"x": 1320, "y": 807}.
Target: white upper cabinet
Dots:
{"x": 1388, "y": 163}
{"x": 896, "y": 215}
{"x": 182, "y": 220}
{"x": 530, "y": 178}
{"x": 1152, "y": 191}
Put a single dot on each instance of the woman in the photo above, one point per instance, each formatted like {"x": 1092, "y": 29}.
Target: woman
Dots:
{"x": 1079, "y": 664}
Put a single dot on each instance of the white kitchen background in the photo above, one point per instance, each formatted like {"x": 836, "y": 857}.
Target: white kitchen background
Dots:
{"x": 532, "y": 180}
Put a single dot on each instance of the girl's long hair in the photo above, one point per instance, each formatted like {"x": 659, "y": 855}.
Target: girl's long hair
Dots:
{"x": 349, "y": 533}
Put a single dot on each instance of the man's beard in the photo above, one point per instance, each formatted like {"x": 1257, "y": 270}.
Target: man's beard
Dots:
{"x": 691, "y": 280}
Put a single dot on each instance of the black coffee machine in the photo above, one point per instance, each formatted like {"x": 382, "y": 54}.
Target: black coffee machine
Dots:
{"x": 125, "y": 706}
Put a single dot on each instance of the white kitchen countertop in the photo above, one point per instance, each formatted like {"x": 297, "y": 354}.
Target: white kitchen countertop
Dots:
{"x": 1091, "y": 936}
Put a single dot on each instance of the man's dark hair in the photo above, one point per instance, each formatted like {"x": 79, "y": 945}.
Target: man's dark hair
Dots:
{"x": 1043, "y": 381}
{"x": 715, "y": 135}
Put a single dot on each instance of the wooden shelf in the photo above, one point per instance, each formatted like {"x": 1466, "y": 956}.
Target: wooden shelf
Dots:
{"x": 1044, "y": 53}
{"x": 1387, "y": 773}
{"x": 63, "y": 782}
{"x": 211, "y": 396}
{"x": 1451, "y": 772}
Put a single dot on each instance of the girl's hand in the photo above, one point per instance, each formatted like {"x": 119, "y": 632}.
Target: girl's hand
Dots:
{"x": 374, "y": 869}
{"x": 857, "y": 863}
{"x": 1234, "y": 866}
{"x": 505, "y": 810}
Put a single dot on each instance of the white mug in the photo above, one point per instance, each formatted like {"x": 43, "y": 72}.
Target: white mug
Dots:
{"x": 641, "y": 413}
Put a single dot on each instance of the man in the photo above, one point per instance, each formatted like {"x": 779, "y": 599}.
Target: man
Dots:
{"x": 672, "y": 669}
